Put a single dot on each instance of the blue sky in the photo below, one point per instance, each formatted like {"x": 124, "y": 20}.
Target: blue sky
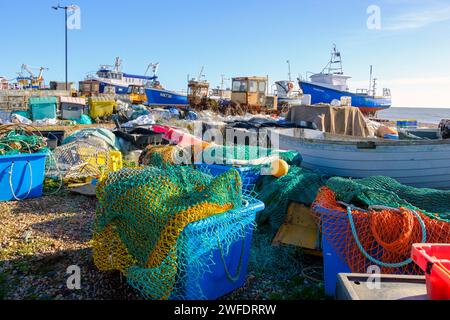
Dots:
{"x": 410, "y": 53}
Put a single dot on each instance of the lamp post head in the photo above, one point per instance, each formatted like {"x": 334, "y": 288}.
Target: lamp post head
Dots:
{"x": 72, "y": 7}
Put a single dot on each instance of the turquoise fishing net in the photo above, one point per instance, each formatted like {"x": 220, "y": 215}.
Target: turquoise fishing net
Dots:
{"x": 17, "y": 141}
{"x": 226, "y": 154}
{"x": 141, "y": 228}
{"x": 298, "y": 185}
{"x": 386, "y": 191}
{"x": 250, "y": 172}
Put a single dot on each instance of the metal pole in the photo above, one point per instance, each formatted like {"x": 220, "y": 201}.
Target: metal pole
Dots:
{"x": 65, "y": 26}
{"x": 289, "y": 70}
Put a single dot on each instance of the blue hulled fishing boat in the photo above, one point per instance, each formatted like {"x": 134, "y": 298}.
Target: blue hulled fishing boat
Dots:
{"x": 158, "y": 96}
{"x": 112, "y": 80}
{"x": 331, "y": 84}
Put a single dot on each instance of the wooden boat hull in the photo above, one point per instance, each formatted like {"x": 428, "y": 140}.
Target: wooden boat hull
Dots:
{"x": 423, "y": 164}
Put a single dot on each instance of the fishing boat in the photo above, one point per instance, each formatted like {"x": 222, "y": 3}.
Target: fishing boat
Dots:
{"x": 418, "y": 163}
{"x": 112, "y": 80}
{"x": 331, "y": 84}
{"x": 158, "y": 96}
{"x": 287, "y": 94}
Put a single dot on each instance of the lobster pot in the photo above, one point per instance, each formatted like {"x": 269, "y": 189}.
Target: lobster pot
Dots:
{"x": 21, "y": 176}
{"x": 89, "y": 87}
{"x": 226, "y": 269}
{"x": 72, "y": 108}
{"x": 43, "y": 108}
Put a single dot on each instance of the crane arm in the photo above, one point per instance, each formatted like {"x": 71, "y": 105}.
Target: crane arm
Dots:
{"x": 27, "y": 69}
{"x": 154, "y": 67}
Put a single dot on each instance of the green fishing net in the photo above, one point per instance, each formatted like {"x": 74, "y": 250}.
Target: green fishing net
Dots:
{"x": 140, "y": 223}
{"x": 227, "y": 154}
{"x": 298, "y": 185}
{"x": 385, "y": 191}
{"x": 16, "y": 142}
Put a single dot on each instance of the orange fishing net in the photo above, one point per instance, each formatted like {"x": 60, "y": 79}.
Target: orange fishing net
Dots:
{"x": 386, "y": 235}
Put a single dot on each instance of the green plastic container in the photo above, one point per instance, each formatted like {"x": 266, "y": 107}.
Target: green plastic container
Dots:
{"x": 43, "y": 108}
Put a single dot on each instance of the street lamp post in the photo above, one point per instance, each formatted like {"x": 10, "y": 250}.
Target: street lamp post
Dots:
{"x": 289, "y": 69}
{"x": 65, "y": 8}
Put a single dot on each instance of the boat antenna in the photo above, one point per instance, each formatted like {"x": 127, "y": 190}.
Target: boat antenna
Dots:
{"x": 334, "y": 66}
{"x": 374, "y": 86}
{"x": 201, "y": 75}
{"x": 117, "y": 64}
{"x": 289, "y": 70}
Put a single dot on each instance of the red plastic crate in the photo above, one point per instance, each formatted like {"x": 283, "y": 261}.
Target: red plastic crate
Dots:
{"x": 434, "y": 260}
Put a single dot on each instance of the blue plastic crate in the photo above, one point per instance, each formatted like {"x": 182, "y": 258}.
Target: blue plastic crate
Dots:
{"x": 21, "y": 176}
{"x": 249, "y": 174}
{"x": 227, "y": 267}
{"x": 332, "y": 265}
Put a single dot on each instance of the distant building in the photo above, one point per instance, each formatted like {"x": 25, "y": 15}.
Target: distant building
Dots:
{"x": 3, "y": 83}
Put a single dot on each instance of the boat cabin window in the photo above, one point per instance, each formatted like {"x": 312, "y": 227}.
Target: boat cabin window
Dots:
{"x": 113, "y": 75}
{"x": 362, "y": 91}
{"x": 262, "y": 86}
{"x": 253, "y": 86}
{"x": 239, "y": 86}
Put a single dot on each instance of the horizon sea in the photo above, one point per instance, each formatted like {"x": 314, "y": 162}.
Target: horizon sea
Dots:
{"x": 423, "y": 115}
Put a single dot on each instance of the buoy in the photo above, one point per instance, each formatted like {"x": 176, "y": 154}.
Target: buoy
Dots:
{"x": 279, "y": 168}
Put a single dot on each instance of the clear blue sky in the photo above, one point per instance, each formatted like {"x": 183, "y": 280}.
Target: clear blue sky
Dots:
{"x": 410, "y": 52}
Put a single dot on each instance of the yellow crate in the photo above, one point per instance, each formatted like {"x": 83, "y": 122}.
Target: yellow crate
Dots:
{"x": 101, "y": 108}
{"x": 116, "y": 162}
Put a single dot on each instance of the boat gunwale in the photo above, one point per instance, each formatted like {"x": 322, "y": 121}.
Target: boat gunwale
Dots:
{"x": 336, "y": 139}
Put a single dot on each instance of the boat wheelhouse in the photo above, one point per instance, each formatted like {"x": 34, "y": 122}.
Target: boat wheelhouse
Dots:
{"x": 331, "y": 84}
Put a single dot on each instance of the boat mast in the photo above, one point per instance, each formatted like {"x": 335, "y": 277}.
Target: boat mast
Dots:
{"x": 370, "y": 81}
{"x": 201, "y": 75}
{"x": 336, "y": 59}
{"x": 374, "y": 86}
{"x": 117, "y": 64}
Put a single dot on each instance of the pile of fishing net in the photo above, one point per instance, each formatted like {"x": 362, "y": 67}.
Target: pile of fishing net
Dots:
{"x": 161, "y": 155}
{"x": 17, "y": 138}
{"x": 375, "y": 221}
{"x": 101, "y": 137}
{"x": 140, "y": 221}
{"x": 298, "y": 185}
{"x": 245, "y": 155}
{"x": 252, "y": 157}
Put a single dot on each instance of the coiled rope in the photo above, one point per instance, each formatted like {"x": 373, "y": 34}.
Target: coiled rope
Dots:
{"x": 367, "y": 255}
